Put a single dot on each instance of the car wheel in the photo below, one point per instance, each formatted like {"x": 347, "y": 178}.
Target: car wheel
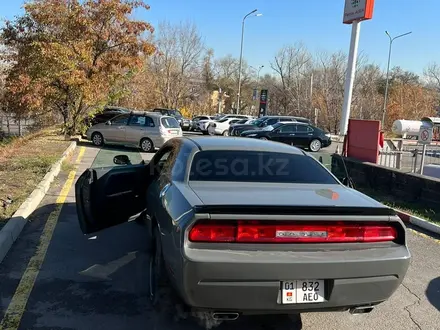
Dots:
{"x": 205, "y": 132}
{"x": 315, "y": 145}
{"x": 97, "y": 139}
{"x": 156, "y": 267}
{"x": 211, "y": 131}
{"x": 226, "y": 133}
{"x": 147, "y": 145}
{"x": 263, "y": 138}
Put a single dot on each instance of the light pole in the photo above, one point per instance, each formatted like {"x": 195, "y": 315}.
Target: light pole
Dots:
{"x": 257, "y": 87}
{"x": 388, "y": 73}
{"x": 258, "y": 73}
{"x": 241, "y": 56}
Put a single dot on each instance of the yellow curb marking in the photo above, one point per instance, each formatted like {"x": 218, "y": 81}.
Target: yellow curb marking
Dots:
{"x": 17, "y": 306}
{"x": 424, "y": 235}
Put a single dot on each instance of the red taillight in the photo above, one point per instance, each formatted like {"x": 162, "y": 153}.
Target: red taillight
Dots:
{"x": 213, "y": 232}
{"x": 282, "y": 232}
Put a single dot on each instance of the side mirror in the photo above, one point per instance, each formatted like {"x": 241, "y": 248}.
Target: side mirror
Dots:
{"x": 121, "y": 160}
{"x": 108, "y": 122}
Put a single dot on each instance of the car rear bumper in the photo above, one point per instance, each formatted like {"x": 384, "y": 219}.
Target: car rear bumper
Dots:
{"x": 250, "y": 282}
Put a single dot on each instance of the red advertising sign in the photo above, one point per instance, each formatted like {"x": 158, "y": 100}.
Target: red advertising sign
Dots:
{"x": 358, "y": 10}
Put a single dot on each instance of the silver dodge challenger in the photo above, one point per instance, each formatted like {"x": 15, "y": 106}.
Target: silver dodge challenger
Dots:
{"x": 243, "y": 226}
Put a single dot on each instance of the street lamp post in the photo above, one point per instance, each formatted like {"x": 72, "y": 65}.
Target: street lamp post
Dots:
{"x": 241, "y": 56}
{"x": 257, "y": 87}
{"x": 258, "y": 73}
{"x": 388, "y": 73}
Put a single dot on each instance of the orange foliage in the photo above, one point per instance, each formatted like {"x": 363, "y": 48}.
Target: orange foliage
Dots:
{"x": 69, "y": 53}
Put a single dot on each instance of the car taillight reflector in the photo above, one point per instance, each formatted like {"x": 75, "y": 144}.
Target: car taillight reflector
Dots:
{"x": 282, "y": 232}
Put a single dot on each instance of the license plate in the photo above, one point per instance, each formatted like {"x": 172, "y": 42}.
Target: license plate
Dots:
{"x": 302, "y": 291}
{"x": 174, "y": 132}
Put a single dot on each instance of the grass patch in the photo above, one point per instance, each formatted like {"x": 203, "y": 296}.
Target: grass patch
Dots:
{"x": 24, "y": 162}
{"x": 67, "y": 166}
{"x": 411, "y": 208}
{"x": 6, "y": 140}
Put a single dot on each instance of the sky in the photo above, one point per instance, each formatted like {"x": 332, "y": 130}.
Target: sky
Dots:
{"x": 316, "y": 23}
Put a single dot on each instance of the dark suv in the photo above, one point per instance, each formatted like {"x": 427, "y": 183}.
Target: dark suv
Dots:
{"x": 185, "y": 124}
{"x": 262, "y": 122}
{"x": 106, "y": 114}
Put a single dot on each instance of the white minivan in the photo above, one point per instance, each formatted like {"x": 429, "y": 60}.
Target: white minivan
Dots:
{"x": 146, "y": 130}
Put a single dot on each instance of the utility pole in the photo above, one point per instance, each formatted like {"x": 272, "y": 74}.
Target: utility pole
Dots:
{"x": 220, "y": 100}
{"x": 241, "y": 57}
{"x": 388, "y": 74}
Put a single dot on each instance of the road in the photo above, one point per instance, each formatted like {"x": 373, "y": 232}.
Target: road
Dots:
{"x": 55, "y": 277}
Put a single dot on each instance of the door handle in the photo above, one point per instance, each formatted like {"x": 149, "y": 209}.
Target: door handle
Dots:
{"x": 292, "y": 134}
{"x": 121, "y": 127}
{"x": 311, "y": 134}
{"x": 164, "y": 190}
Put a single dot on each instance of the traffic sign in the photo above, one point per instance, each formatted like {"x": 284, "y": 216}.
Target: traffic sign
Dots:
{"x": 425, "y": 135}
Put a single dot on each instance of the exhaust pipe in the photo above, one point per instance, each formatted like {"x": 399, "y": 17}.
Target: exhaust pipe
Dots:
{"x": 225, "y": 316}
{"x": 361, "y": 310}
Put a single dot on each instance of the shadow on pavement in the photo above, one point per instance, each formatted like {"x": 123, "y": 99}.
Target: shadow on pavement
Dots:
{"x": 433, "y": 293}
{"x": 97, "y": 281}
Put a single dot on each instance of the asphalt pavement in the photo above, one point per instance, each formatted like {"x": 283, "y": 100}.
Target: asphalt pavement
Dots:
{"x": 55, "y": 277}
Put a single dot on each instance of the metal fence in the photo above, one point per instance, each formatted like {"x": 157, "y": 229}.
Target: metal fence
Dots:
{"x": 407, "y": 157}
{"x": 12, "y": 127}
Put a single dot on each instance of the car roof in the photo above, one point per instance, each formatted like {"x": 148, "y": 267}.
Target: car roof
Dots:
{"x": 109, "y": 108}
{"x": 238, "y": 143}
{"x": 163, "y": 109}
{"x": 149, "y": 113}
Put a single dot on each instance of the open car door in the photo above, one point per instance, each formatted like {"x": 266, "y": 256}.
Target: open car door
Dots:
{"x": 108, "y": 196}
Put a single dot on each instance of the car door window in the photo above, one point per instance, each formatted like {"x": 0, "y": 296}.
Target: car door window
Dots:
{"x": 288, "y": 129}
{"x": 310, "y": 129}
{"x": 301, "y": 128}
{"x": 149, "y": 122}
{"x": 271, "y": 121}
{"x": 120, "y": 120}
{"x": 162, "y": 162}
{"x": 137, "y": 120}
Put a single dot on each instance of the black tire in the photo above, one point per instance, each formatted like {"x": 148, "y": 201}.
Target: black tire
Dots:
{"x": 315, "y": 145}
{"x": 212, "y": 132}
{"x": 205, "y": 132}
{"x": 147, "y": 145}
{"x": 156, "y": 267}
{"x": 97, "y": 139}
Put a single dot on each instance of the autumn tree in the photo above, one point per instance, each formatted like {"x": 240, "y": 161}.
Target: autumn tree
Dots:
{"x": 68, "y": 54}
{"x": 177, "y": 62}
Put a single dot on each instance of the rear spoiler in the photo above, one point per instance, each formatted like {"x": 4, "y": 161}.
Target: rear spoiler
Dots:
{"x": 296, "y": 210}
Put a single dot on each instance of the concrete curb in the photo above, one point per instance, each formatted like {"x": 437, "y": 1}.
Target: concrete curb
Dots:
{"x": 419, "y": 222}
{"x": 9, "y": 233}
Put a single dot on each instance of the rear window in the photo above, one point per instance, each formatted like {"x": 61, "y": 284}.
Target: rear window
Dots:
{"x": 253, "y": 166}
{"x": 169, "y": 122}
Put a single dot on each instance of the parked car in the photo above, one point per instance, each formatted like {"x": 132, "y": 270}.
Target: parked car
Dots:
{"x": 285, "y": 243}
{"x": 141, "y": 129}
{"x": 185, "y": 123}
{"x": 221, "y": 127}
{"x": 203, "y": 125}
{"x": 262, "y": 122}
{"x": 195, "y": 120}
{"x": 294, "y": 133}
{"x": 108, "y": 113}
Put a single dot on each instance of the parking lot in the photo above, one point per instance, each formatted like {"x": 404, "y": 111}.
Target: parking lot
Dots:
{"x": 100, "y": 281}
